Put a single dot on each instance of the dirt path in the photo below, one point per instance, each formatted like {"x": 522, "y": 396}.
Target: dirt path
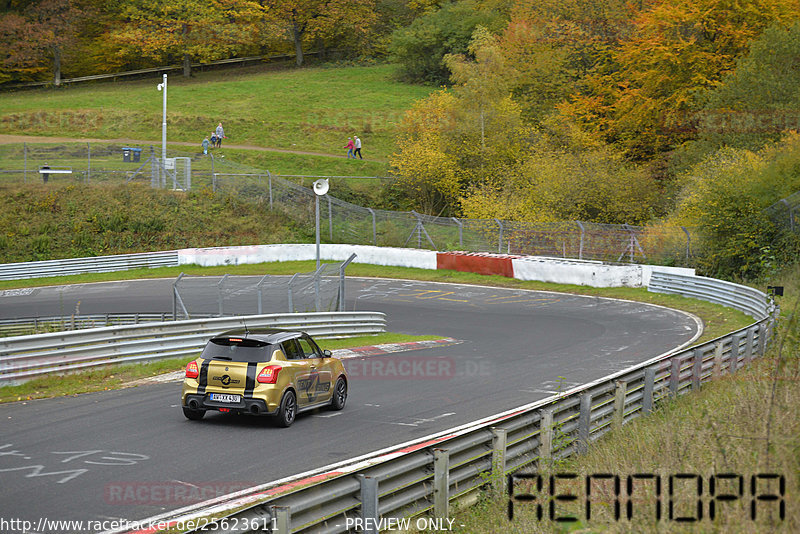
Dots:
{"x": 13, "y": 139}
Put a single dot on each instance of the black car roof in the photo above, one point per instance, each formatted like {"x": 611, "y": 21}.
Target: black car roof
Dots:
{"x": 267, "y": 335}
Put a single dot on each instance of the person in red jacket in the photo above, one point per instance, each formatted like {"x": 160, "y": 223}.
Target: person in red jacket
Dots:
{"x": 350, "y": 146}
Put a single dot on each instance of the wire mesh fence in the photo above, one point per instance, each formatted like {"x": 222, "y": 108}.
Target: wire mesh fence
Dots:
{"x": 344, "y": 222}
{"x": 784, "y": 213}
{"x": 319, "y": 291}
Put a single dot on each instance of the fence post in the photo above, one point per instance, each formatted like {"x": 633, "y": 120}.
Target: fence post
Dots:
{"x": 281, "y": 519}
{"x": 88, "y": 162}
{"x": 546, "y": 434}
{"x": 261, "y": 294}
{"x": 499, "y": 445}
{"x": 688, "y": 243}
{"x": 374, "y": 227}
{"x": 330, "y": 217}
{"x": 697, "y": 367}
{"x": 460, "y": 232}
{"x": 500, "y": 237}
{"x": 291, "y": 303}
{"x": 736, "y": 341}
{"x": 219, "y": 294}
{"x": 674, "y": 375}
{"x": 441, "y": 483}
{"x": 25, "y": 156}
{"x": 718, "y": 349}
{"x": 342, "y": 267}
{"x": 317, "y": 280}
{"x": 583, "y": 232}
{"x": 269, "y": 177}
{"x": 762, "y": 339}
{"x": 619, "y": 403}
{"x": 369, "y": 503}
{"x": 584, "y": 422}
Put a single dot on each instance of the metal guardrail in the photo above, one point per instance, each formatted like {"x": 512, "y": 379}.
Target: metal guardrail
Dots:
{"x": 745, "y": 299}
{"x": 424, "y": 477}
{"x": 35, "y": 325}
{"x": 25, "y": 357}
{"x": 100, "y": 264}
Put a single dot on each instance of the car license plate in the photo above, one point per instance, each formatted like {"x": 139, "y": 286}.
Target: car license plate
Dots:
{"x": 224, "y": 397}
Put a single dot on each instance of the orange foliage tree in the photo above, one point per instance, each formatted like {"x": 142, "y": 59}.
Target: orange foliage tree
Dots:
{"x": 642, "y": 97}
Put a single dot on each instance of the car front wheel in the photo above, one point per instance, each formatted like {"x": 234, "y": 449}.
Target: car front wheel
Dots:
{"x": 339, "y": 394}
{"x": 288, "y": 410}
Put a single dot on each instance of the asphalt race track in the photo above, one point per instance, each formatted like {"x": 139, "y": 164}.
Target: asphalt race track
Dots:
{"x": 131, "y": 454}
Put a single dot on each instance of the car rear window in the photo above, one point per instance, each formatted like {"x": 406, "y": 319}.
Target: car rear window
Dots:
{"x": 237, "y": 350}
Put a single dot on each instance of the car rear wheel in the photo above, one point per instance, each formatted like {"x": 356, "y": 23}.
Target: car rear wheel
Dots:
{"x": 194, "y": 415}
{"x": 288, "y": 409}
{"x": 339, "y": 394}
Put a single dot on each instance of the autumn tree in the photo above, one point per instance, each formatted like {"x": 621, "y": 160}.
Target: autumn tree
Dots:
{"x": 675, "y": 50}
{"x": 420, "y": 47}
{"x": 202, "y": 30}
{"x": 760, "y": 100}
{"x": 477, "y": 136}
{"x": 310, "y": 20}
{"x": 36, "y": 35}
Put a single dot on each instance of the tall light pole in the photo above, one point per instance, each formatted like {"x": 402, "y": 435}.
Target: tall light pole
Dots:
{"x": 163, "y": 88}
{"x": 320, "y": 188}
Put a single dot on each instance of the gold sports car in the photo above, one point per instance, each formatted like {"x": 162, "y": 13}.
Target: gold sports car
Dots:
{"x": 265, "y": 371}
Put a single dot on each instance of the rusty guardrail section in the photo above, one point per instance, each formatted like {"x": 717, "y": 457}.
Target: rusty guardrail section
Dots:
{"x": 424, "y": 476}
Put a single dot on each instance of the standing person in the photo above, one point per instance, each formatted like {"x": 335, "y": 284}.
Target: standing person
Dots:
{"x": 205, "y": 145}
{"x": 350, "y": 146}
{"x": 45, "y": 175}
{"x": 213, "y": 140}
{"x": 358, "y": 148}
{"x": 220, "y": 134}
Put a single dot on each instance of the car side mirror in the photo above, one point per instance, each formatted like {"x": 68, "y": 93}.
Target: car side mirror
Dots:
{"x": 326, "y": 353}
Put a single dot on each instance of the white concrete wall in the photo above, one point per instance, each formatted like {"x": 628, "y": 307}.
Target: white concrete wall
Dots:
{"x": 578, "y": 273}
{"x": 554, "y": 270}
{"x": 396, "y": 257}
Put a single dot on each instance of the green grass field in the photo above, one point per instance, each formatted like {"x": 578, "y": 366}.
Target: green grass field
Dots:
{"x": 309, "y": 109}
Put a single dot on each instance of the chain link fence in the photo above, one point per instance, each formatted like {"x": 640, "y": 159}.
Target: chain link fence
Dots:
{"x": 784, "y": 213}
{"x": 344, "y": 222}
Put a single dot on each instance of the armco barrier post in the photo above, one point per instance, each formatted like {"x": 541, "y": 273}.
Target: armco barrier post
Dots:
{"x": 281, "y": 519}
{"x": 762, "y": 338}
{"x": 620, "y": 391}
{"x": 697, "y": 367}
{"x": 441, "y": 483}
{"x": 546, "y": 434}
{"x": 674, "y": 375}
{"x": 749, "y": 345}
{"x": 369, "y": 503}
{"x": 733, "y": 365}
{"x": 584, "y": 422}
{"x": 718, "y": 351}
{"x": 499, "y": 444}
{"x": 647, "y": 390}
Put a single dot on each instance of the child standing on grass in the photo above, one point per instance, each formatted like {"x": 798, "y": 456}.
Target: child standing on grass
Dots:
{"x": 205, "y": 145}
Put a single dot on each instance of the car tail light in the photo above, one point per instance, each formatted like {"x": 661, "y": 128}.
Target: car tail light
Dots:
{"x": 269, "y": 374}
{"x": 191, "y": 370}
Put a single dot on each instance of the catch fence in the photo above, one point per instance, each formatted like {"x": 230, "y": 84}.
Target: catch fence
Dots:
{"x": 322, "y": 290}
